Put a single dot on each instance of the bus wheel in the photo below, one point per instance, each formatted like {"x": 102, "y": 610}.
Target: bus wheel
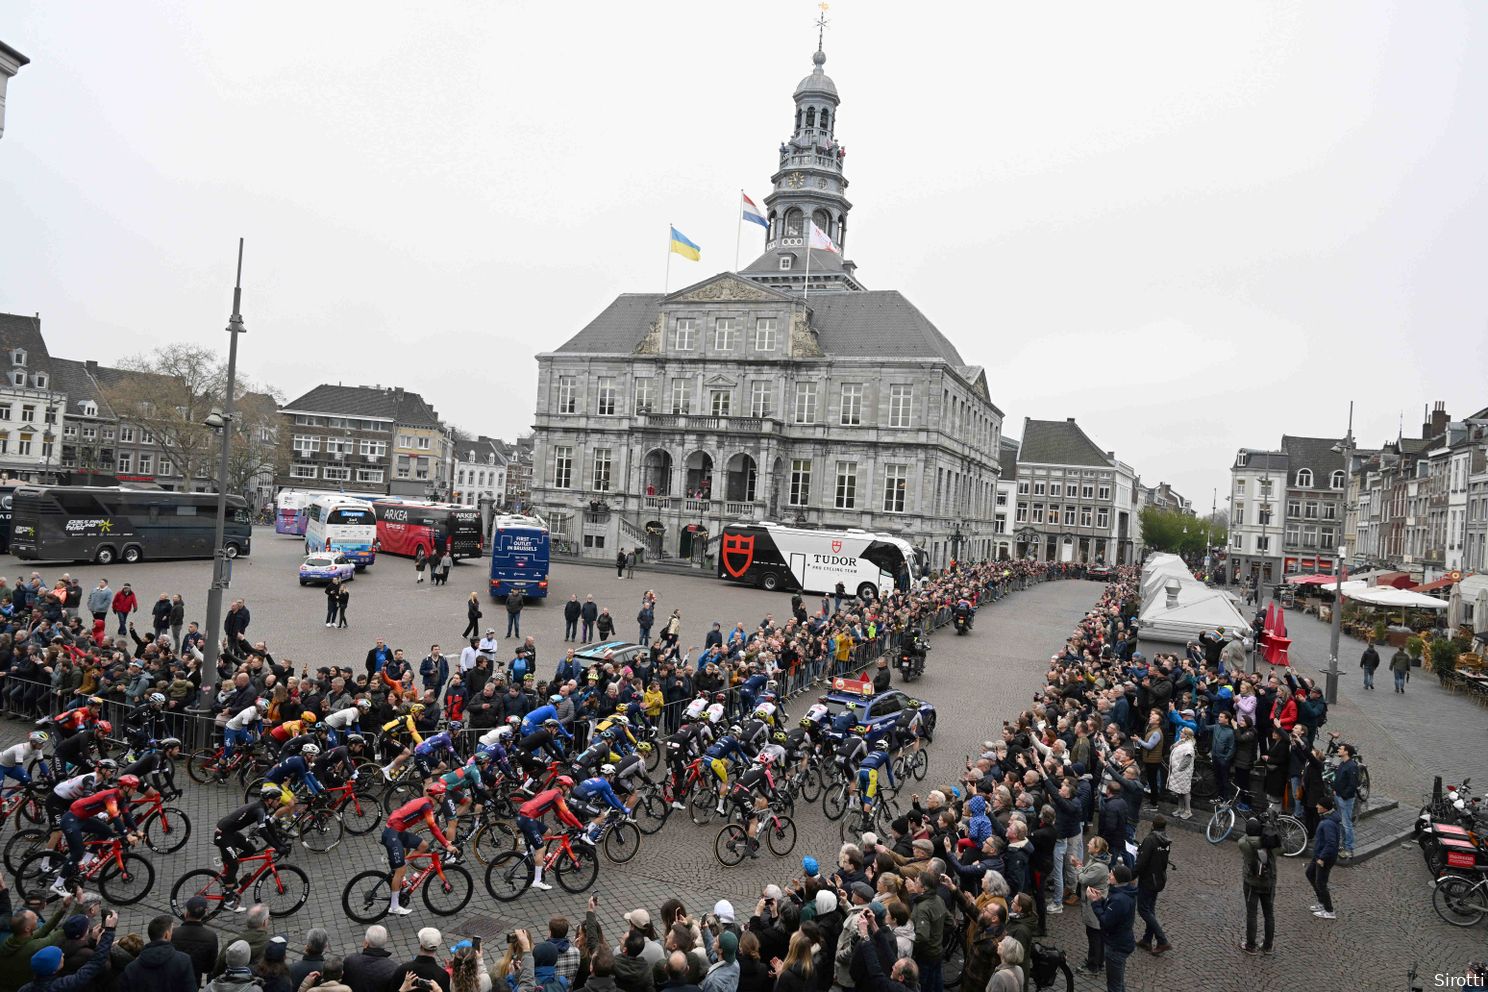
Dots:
{"x": 867, "y": 592}
{"x": 104, "y": 555}
{"x": 132, "y": 554}
{"x": 770, "y": 582}
{"x": 232, "y": 550}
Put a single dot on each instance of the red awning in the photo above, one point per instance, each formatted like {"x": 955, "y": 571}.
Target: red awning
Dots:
{"x": 1450, "y": 579}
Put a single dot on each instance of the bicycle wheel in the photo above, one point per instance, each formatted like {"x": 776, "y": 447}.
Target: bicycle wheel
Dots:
{"x": 283, "y": 888}
{"x": 1220, "y": 824}
{"x": 130, "y": 884}
{"x": 369, "y": 780}
{"x": 202, "y": 766}
{"x": 834, "y": 802}
{"x": 33, "y": 810}
{"x": 167, "y": 831}
{"x": 449, "y": 895}
{"x": 23, "y": 844}
{"x": 202, "y": 882}
{"x": 622, "y": 841}
{"x": 508, "y": 876}
{"x": 811, "y": 784}
{"x": 1203, "y": 785}
{"x": 360, "y": 813}
{"x": 651, "y": 812}
{"x": 320, "y": 830}
{"x": 780, "y": 835}
{"x": 399, "y": 793}
{"x": 367, "y": 896}
{"x": 577, "y": 873}
{"x": 40, "y": 770}
{"x": 1363, "y": 794}
{"x": 1293, "y": 835}
{"x": 36, "y": 872}
{"x": 653, "y": 758}
{"x": 704, "y": 805}
{"x": 250, "y": 791}
{"x": 491, "y": 841}
{"x": 920, "y": 765}
{"x": 1457, "y": 901}
{"x": 731, "y": 845}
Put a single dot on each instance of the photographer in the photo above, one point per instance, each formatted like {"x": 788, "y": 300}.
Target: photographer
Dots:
{"x": 423, "y": 966}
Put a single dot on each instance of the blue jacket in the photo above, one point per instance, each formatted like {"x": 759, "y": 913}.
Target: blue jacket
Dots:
{"x": 1346, "y": 780}
{"x": 1068, "y": 813}
{"x": 1117, "y": 912}
{"x": 1113, "y": 817}
{"x": 1325, "y": 841}
{"x": 1222, "y": 744}
{"x": 533, "y": 720}
{"x": 599, "y": 788}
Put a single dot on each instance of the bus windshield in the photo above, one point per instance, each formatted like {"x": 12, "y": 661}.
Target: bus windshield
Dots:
{"x": 346, "y": 515}
{"x": 519, "y": 557}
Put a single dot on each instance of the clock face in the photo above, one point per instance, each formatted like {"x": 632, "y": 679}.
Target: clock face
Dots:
{"x": 795, "y": 180}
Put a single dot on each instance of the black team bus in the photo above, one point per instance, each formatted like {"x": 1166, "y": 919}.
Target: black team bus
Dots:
{"x": 7, "y": 495}
{"x": 772, "y": 557}
{"x": 86, "y": 523}
{"x": 413, "y": 529}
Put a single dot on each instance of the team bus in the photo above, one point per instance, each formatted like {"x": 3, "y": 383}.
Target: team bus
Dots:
{"x": 106, "y": 524}
{"x": 519, "y": 556}
{"x": 7, "y": 496}
{"x": 771, "y": 556}
{"x": 292, "y": 508}
{"x": 344, "y": 524}
{"x": 413, "y": 529}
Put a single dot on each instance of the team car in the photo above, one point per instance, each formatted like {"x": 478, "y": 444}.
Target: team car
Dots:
{"x": 1101, "y": 572}
{"x": 325, "y": 567}
{"x": 871, "y": 710}
{"x": 625, "y": 653}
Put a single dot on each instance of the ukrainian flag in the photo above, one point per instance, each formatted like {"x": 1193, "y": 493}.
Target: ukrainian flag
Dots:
{"x": 684, "y": 247}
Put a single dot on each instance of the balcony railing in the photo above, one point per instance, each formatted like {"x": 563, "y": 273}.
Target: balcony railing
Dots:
{"x": 707, "y": 422}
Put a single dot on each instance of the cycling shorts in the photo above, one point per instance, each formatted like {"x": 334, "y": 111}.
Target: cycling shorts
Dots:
{"x": 398, "y": 844}
{"x": 720, "y": 771}
{"x": 868, "y": 782}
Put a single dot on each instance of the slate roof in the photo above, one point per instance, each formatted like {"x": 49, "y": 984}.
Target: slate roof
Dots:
{"x": 1262, "y": 460}
{"x": 73, "y": 378}
{"x": 24, "y": 331}
{"x": 372, "y": 402}
{"x": 769, "y": 263}
{"x": 618, "y": 328}
{"x": 1059, "y": 442}
{"x": 1315, "y": 453}
{"x": 1007, "y": 457}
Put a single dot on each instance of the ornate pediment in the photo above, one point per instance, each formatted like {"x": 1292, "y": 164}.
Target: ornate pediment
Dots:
{"x": 651, "y": 343}
{"x": 726, "y": 289}
{"x": 720, "y": 380}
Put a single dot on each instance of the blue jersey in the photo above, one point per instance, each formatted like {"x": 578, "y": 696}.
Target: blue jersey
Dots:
{"x": 879, "y": 760}
{"x": 726, "y": 746}
{"x": 440, "y": 743}
{"x": 535, "y": 719}
{"x": 498, "y": 755}
{"x": 297, "y": 770}
{"x": 598, "y": 788}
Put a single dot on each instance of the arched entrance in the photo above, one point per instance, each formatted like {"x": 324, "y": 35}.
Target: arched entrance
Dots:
{"x": 655, "y": 535}
{"x": 657, "y": 469}
{"x": 694, "y": 542}
{"x": 742, "y": 479}
{"x": 699, "y": 475}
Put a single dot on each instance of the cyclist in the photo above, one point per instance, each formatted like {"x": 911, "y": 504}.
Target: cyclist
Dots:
{"x": 95, "y": 814}
{"x": 397, "y": 837}
{"x": 908, "y": 727}
{"x": 681, "y": 747}
{"x": 290, "y": 729}
{"x": 145, "y": 722}
{"x": 630, "y": 775}
{"x": 587, "y": 796}
{"x": 752, "y": 733}
{"x": 345, "y": 721}
{"x": 401, "y": 732}
{"x": 617, "y": 725}
{"x": 155, "y": 768}
{"x": 232, "y": 837}
{"x": 76, "y": 753}
{"x": 530, "y": 821}
{"x": 336, "y": 765}
{"x": 71, "y": 721}
{"x": 848, "y": 752}
{"x": 544, "y": 739}
{"x": 751, "y": 794}
{"x": 717, "y": 756}
{"x": 493, "y": 743}
{"x": 244, "y": 728}
{"x": 876, "y": 765}
{"x": 436, "y": 753}
{"x": 596, "y": 754}
{"x": 462, "y": 784}
{"x": 294, "y": 772}
{"x": 13, "y": 759}
{"x": 536, "y": 717}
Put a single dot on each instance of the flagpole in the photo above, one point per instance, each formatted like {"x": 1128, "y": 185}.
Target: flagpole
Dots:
{"x": 738, "y": 219}
{"x": 807, "y": 294}
{"x": 667, "y": 287}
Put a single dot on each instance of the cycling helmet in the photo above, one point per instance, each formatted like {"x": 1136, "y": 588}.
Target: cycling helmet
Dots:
{"x": 735, "y": 729}
{"x": 481, "y": 757}
{"x": 355, "y": 740}
{"x": 105, "y": 727}
{"x": 364, "y": 704}
{"x": 621, "y": 719}
{"x": 806, "y": 723}
{"x": 107, "y": 765}
{"x": 270, "y": 791}
{"x": 39, "y": 737}
{"x": 157, "y": 699}
{"x": 169, "y": 743}
{"x": 761, "y": 714}
{"x": 607, "y": 769}
{"x": 514, "y": 720}
{"x": 564, "y": 781}
{"x": 416, "y": 708}
{"x": 502, "y": 733}
{"x": 720, "y": 697}
{"x": 881, "y": 746}
{"x": 260, "y": 704}
{"x": 308, "y": 718}
{"x": 129, "y": 782}
{"x": 607, "y": 734}
{"x": 771, "y": 686}
{"x": 551, "y": 722}
{"x": 781, "y": 737}
{"x": 555, "y": 699}
{"x": 435, "y": 788}
{"x": 95, "y": 701}
{"x": 310, "y": 750}
{"x": 765, "y": 759}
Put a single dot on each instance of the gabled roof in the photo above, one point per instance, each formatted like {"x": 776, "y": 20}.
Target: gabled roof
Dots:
{"x": 73, "y": 378}
{"x": 1315, "y": 453}
{"x": 1059, "y": 442}
{"x": 1007, "y": 457}
{"x": 24, "y": 331}
{"x": 371, "y": 402}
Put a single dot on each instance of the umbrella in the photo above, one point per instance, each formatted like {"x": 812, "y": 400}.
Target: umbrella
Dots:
{"x": 1480, "y": 612}
{"x": 1309, "y": 580}
{"x": 1398, "y": 598}
{"x": 1454, "y": 609}
{"x": 1276, "y": 639}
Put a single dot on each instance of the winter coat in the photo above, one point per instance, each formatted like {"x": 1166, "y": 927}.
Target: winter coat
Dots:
{"x": 1222, "y": 744}
{"x": 1117, "y": 913}
{"x": 1152, "y": 861}
{"x": 1400, "y": 661}
{"x": 199, "y": 943}
{"x": 125, "y": 601}
{"x": 928, "y": 915}
{"x": 791, "y": 980}
{"x": 1329, "y": 833}
{"x": 1245, "y": 747}
{"x": 1369, "y": 660}
{"x": 99, "y": 600}
{"x": 1258, "y": 866}
{"x": 1180, "y": 768}
{"x": 159, "y": 968}
{"x": 1094, "y": 874}
{"x": 1276, "y": 767}
{"x": 90, "y": 976}
{"x": 634, "y": 974}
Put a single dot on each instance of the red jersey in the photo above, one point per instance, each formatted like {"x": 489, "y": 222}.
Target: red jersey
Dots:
{"x": 414, "y": 811}
{"x": 76, "y": 719}
{"x": 537, "y": 807}
{"x": 107, "y": 801}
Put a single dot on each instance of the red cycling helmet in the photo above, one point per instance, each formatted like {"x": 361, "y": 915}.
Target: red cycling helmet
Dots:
{"x": 435, "y": 788}
{"x": 564, "y": 781}
{"x": 129, "y": 782}
{"x": 104, "y": 727}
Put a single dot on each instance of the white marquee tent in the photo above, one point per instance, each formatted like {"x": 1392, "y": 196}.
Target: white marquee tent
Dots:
{"x": 1178, "y": 607}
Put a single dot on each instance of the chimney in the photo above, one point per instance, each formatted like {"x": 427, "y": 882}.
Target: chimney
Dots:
{"x": 1069, "y": 420}
{"x": 92, "y": 366}
{"x": 1171, "y": 588}
{"x": 1439, "y": 419}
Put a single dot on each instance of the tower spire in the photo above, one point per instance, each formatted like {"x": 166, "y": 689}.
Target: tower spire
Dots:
{"x": 821, "y": 23}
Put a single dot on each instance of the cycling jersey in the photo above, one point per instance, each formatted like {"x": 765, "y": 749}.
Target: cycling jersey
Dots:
{"x": 411, "y": 813}
{"x": 876, "y": 766}
{"x": 296, "y": 744}
{"x": 752, "y": 733}
{"x": 110, "y": 802}
{"x": 774, "y": 752}
{"x": 288, "y": 729}
{"x": 331, "y": 763}
{"x": 153, "y": 769}
{"x": 75, "y": 720}
{"x": 498, "y": 755}
{"x": 535, "y": 719}
{"x": 75, "y": 787}
{"x": 725, "y": 747}
{"x": 755, "y": 778}
{"x": 76, "y": 750}
{"x": 466, "y": 778}
{"x": 295, "y": 769}
{"x": 592, "y": 757}
{"x": 402, "y": 726}
{"x": 549, "y": 800}
{"x": 440, "y": 743}
{"x": 247, "y": 718}
{"x": 630, "y": 772}
{"x": 344, "y": 719}
{"x": 244, "y": 817}
{"x": 598, "y": 788}
{"x": 695, "y": 709}
{"x": 541, "y": 739}
{"x": 17, "y": 755}
{"x": 850, "y": 750}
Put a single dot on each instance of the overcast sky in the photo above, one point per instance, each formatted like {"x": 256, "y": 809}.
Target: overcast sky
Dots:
{"x": 1193, "y": 228}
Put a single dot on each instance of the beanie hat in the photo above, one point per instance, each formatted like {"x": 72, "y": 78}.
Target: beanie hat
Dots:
{"x": 809, "y": 866}
{"x": 75, "y": 926}
{"x": 1252, "y": 827}
{"x": 878, "y": 909}
{"x": 826, "y": 901}
{"x": 544, "y": 954}
{"x": 238, "y": 954}
{"x": 1123, "y": 874}
{"x": 724, "y": 910}
{"x": 46, "y": 962}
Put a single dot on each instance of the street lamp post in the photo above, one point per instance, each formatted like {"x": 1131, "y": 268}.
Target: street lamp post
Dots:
{"x": 1265, "y": 548}
{"x": 1346, "y": 448}
{"x": 223, "y": 421}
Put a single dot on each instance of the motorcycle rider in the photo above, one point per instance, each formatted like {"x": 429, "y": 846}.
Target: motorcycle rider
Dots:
{"x": 964, "y": 612}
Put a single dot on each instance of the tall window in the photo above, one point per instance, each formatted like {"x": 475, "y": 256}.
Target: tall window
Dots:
{"x": 1237, "y": 514}
{"x": 800, "y": 482}
{"x": 764, "y": 334}
{"x": 124, "y": 463}
{"x": 1085, "y": 516}
{"x": 896, "y": 484}
{"x": 1105, "y": 490}
{"x": 567, "y": 393}
{"x": 602, "y": 470}
{"x": 1022, "y": 513}
{"x": 1087, "y": 490}
{"x": 1102, "y": 517}
{"x": 1069, "y": 516}
{"x": 643, "y": 394}
{"x": 852, "y": 404}
{"x": 805, "y": 402}
{"x": 685, "y": 334}
{"x": 847, "y": 485}
{"x": 563, "y": 467}
{"x": 901, "y": 399}
{"x": 1239, "y": 487}
{"x": 305, "y": 444}
{"x": 28, "y": 413}
{"x": 1304, "y": 477}
{"x": 759, "y": 399}
{"x": 720, "y": 402}
{"x": 147, "y": 464}
{"x": 1056, "y": 489}
{"x": 606, "y": 396}
{"x": 1294, "y": 508}
{"x": 679, "y": 396}
{"x": 126, "y": 434}
{"x": 1023, "y": 488}
{"x": 725, "y": 334}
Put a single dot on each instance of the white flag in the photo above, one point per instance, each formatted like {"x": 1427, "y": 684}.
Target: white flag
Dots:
{"x": 820, "y": 240}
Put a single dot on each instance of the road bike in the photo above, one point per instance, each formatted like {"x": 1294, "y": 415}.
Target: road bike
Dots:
{"x": 23, "y": 801}
{"x": 484, "y": 833}
{"x": 212, "y": 766}
{"x": 123, "y": 876}
{"x": 913, "y": 762}
{"x": 445, "y": 884}
{"x": 777, "y": 829}
{"x": 165, "y": 828}
{"x": 572, "y": 862}
{"x": 281, "y": 887}
{"x": 876, "y": 820}
{"x": 652, "y": 806}
{"x": 619, "y": 837}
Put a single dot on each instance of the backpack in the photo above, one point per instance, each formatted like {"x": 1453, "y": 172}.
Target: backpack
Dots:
{"x": 555, "y": 984}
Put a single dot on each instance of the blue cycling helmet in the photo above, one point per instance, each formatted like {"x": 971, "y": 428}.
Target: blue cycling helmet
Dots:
{"x": 809, "y": 866}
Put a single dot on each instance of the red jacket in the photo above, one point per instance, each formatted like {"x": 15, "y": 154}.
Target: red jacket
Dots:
{"x": 1284, "y": 717}
{"x": 124, "y": 601}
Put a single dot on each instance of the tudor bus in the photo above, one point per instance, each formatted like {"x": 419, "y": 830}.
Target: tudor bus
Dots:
{"x": 414, "y": 529}
{"x": 106, "y": 524}
{"x": 772, "y": 556}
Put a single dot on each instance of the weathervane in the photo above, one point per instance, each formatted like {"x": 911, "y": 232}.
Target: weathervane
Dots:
{"x": 821, "y": 23}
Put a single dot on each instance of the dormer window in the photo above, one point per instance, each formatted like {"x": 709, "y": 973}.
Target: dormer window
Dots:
{"x": 785, "y": 263}
{"x": 1241, "y": 459}
{"x": 18, "y": 378}
{"x": 39, "y": 380}
{"x": 18, "y": 356}
{"x": 1304, "y": 477}
{"x": 90, "y": 409}
{"x": 1337, "y": 482}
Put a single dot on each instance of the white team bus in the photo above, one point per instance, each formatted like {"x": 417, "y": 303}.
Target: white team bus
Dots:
{"x": 344, "y": 524}
{"x": 292, "y": 508}
{"x": 772, "y": 556}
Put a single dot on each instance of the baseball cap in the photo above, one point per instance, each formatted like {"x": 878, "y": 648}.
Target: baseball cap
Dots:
{"x": 429, "y": 939}
{"x": 196, "y": 906}
{"x": 276, "y": 949}
{"x": 638, "y": 918}
{"x": 75, "y": 926}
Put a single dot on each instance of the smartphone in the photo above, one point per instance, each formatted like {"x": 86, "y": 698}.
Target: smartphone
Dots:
{"x": 475, "y": 942}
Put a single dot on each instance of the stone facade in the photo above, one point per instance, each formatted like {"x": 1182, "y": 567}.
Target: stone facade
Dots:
{"x": 1075, "y": 502}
